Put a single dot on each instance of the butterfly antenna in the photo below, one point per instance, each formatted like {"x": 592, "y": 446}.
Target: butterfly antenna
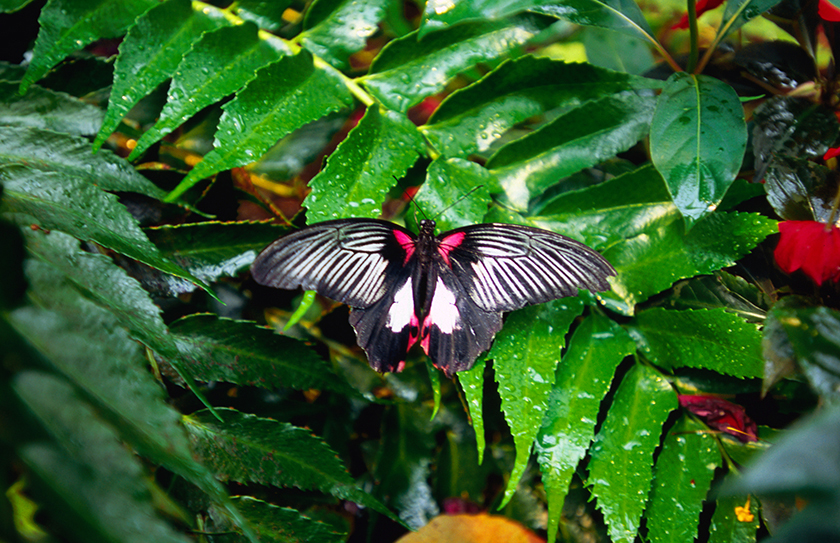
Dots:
{"x": 456, "y": 202}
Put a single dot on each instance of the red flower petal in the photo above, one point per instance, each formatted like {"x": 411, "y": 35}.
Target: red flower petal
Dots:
{"x": 828, "y": 11}
{"x": 721, "y": 415}
{"x": 808, "y": 246}
{"x": 702, "y": 6}
{"x": 831, "y": 153}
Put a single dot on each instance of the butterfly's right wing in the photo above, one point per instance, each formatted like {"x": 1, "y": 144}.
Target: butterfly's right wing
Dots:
{"x": 348, "y": 260}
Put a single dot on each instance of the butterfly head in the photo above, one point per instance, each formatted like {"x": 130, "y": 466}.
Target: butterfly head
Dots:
{"x": 427, "y": 226}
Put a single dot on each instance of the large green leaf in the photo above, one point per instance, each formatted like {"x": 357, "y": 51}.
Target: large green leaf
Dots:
{"x": 409, "y": 69}
{"x": 59, "y": 202}
{"x": 472, "y": 383}
{"x": 652, "y": 261}
{"x": 738, "y": 12}
{"x": 619, "y": 15}
{"x": 682, "y": 477}
{"x": 247, "y": 448}
{"x": 583, "y": 379}
{"x": 455, "y": 192}
{"x": 243, "y": 353}
{"x": 525, "y": 355}
{"x": 578, "y": 139}
{"x": 440, "y": 14}
{"x": 283, "y": 96}
{"x": 712, "y": 339}
{"x": 728, "y": 526}
{"x": 47, "y": 109}
{"x": 94, "y": 484}
{"x": 335, "y": 29}
{"x": 472, "y": 118}
{"x": 275, "y": 524}
{"x": 364, "y": 166}
{"x": 697, "y": 141}
{"x": 217, "y": 65}
{"x": 150, "y": 53}
{"x": 69, "y": 25}
{"x": 620, "y": 471}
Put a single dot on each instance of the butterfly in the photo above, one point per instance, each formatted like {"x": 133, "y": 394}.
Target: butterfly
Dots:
{"x": 445, "y": 292}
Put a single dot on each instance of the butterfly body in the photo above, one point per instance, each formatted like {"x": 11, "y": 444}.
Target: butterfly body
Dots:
{"x": 445, "y": 292}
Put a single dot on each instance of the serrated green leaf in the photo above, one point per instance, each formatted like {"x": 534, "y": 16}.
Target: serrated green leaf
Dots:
{"x": 283, "y": 96}
{"x": 68, "y": 204}
{"x": 711, "y": 339}
{"x": 525, "y": 354}
{"x": 243, "y": 353}
{"x": 210, "y": 250}
{"x": 730, "y": 527}
{"x": 24, "y": 150}
{"x": 68, "y": 25}
{"x": 247, "y": 448}
{"x": 630, "y": 203}
{"x": 267, "y": 14}
{"x": 697, "y": 141}
{"x": 455, "y": 180}
{"x": 682, "y": 477}
{"x": 620, "y": 471}
{"x": 217, "y": 65}
{"x": 619, "y": 15}
{"x": 409, "y": 69}
{"x": 472, "y": 384}
{"x": 440, "y": 14}
{"x": 568, "y": 428}
{"x": 47, "y": 109}
{"x": 276, "y": 524}
{"x": 335, "y": 29}
{"x": 91, "y": 480}
{"x": 578, "y": 139}
{"x": 651, "y": 262}
{"x": 361, "y": 170}
{"x": 472, "y": 118}
{"x": 151, "y": 51}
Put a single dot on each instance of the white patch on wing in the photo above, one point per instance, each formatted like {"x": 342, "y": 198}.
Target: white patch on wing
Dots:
{"x": 444, "y": 313}
{"x": 401, "y": 311}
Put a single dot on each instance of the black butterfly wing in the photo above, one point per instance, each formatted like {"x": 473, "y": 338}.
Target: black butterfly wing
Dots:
{"x": 505, "y": 267}
{"x": 348, "y": 260}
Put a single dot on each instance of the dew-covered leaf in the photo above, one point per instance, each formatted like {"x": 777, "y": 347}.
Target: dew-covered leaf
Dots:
{"x": 47, "y": 109}
{"x": 283, "y": 96}
{"x": 455, "y": 180}
{"x": 525, "y": 355}
{"x": 738, "y": 12}
{"x": 335, "y": 29}
{"x": 580, "y": 138}
{"x": 364, "y": 166}
{"x": 472, "y": 384}
{"x": 583, "y": 379}
{"x": 619, "y": 15}
{"x": 472, "y": 118}
{"x": 720, "y": 290}
{"x": 697, "y": 141}
{"x": 620, "y": 472}
{"x": 150, "y": 52}
{"x": 409, "y": 68}
{"x": 274, "y": 524}
{"x": 735, "y": 520}
{"x": 800, "y": 189}
{"x": 217, "y": 65}
{"x": 712, "y": 339}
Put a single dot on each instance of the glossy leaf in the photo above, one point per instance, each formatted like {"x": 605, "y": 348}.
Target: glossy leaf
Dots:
{"x": 619, "y": 15}
{"x": 267, "y": 14}
{"x": 440, "y": 14}
{"x": 68, "y": 25}
{"x": 243, "y": 353}
{"x": 449, "y": 181}
{"x": 738, "y": 12}
{"x": 363, "y": 167}
{"x": 25, "y": 151}
{"x": 620, "y": 471}
{"x": 525, "y": 354}
{"x": 650, "y": 263}
{"x": 614, "y": 51}
{"x": 697, "y": 141}
{"x": 721, "y": 290}
{"x": 568, "y": 428}
{"x": 275, "y": 524}
{"x": 47, "y": 109}
{"x": 731, "y": 522}
{"x": 68, "y": 204}
{"x": 150, "y": 53}
{"x": 335, "y": 29}
{"x": 711, "y": 339}
{"x": 799, "y": 189}
{"x": 472, "y": 118}
{"x": 472, "y": 384}
{"x": 283, "y": 96}
{"x": 409, "y": 69}
{"x": 217, "y": 65}
{"x": 682, "y": 477}
{"x": 89, "y": 476}
{"x": 211, "y": 250}
{"x": 814, "y": 336}
{"x": 246, "y": 448}
{"x": 578, "y": 139}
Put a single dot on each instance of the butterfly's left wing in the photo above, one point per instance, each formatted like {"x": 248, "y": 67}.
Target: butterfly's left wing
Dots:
{"x": 505, "y": 267}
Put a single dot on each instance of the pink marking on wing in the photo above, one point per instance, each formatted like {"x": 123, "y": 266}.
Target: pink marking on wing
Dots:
{"x": 406, "y": 243}
{"x": 425, "y": 335}
{"x": 448, "y": 244}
